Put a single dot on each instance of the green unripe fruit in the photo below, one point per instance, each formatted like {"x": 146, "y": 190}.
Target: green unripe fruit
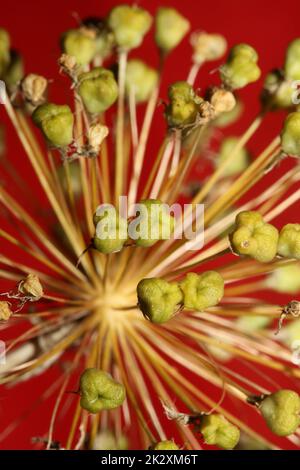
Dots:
{"x": 278, "y": 92}
{"x": 14, "y": 71}
{"x": 290, "y": 135}
{"x": 252, "y": 323}
{"x": 292, "y": 60}
{"x": 170, "y": 28}
{"x": 184, "y": 105}
{"x": 154, "y": 223}
{"x": 216, "y": 430}
{"x": 289, "y": 241}
{"x": 79, "y": 44}
{"x": 111, "y": 231}
{"x": 99, "y": 391}
{"x": 285, "y": 279}
{"x": 158, "y": 299}
{"x": 201, "y": 291}
{"x": 241, "y": 67}
{"x": 129, "y": 25}
{"x": 141, "y": 78}
{"x": 4, "y": 50}
{"x": 253, "y": 237}
{"x": 98, "y": 90}
{"x": 165, "y": 445}
{"x": 281, "y": 411}
{"x": 241, "y": 160}
{"x": 56, "y": 123}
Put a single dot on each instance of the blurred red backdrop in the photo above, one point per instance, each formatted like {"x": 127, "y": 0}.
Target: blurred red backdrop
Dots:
{"x": 35, "y": 28}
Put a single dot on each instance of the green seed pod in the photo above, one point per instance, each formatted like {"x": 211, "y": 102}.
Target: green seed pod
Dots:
{"x": 216, "y": 430}
{"x": 99, "y": 391}
{"x": 79, "y": 43}
{"x": 111, "y": 231}
{"x": 153, "y": 223}
{"x": 241, "y": 160}
{"x": 184, "y": 105}
{"x": 290, "y": 135}
{"x": 4, "y": 50}
{"x": 14, "y": 71}
{"x": 241, "y": 67}
{"x": 252, "y": 323}
{"x": 141, "y": 78}
{"x": 292, "y": 60}
{"x": 285, "y": 279}
{"x": 56, "y": 123}
{"x": 166, "y": 445}
{"x": 201, "y": 291}
{"x": 281, "y": 411}
{"x": 253, "y": 237}
{"x": 98, "y": 90}
{"x": 289, "y": 241}
{"x": 158, "y": 299}
{"x": 170, "y": 28}
{"x": 129, "y": 25}
{"x": 278, "y": 92}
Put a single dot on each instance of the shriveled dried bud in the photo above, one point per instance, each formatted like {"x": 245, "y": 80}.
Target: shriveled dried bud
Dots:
{"x": 31, "y": 287}
{"x": 207, "y": 47}
{"x": 34, "y": 88}
{"x": 68, "y": 63}
{"x": 5, "y": 311}
{"x": 206, "y": 112}
{"x": 96, "y": 135}
{"x": 222, "y": 100}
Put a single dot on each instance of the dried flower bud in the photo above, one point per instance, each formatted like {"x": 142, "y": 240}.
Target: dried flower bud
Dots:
{"x": 96, "y": 135}
{"x": 222, "y": 100}
{"x": 99, "y": 391}
{"x": 241, "y": 160}
{"x": 170, "y": 28}
{"x": 111, "y": 230}
{"x": 184, "y": 105}
{"x": 285, "y": 279}
{"x": 207, "y": 47}
{"x": 201, "y": 291}
{"x": 68, "y": 63}
{"x": 14, "y": 71}
{"x": 166, "y": 445}
{"x": 158, "y": 299}
{"x": 206, "y": 112}
{"x": 4, "y": 50}
{"x": 98, "y": 90}
{"x": 56, "y": 123}
{"x": 241, "y": 67}
{"x": 292, "y": 60}
{"x": 216, "y": 430}
{"x": 290, "y": 135}
{"x": 253, "y": 237}
{"x": 141, "y": 78}
{"x": 34, "y": 88}
{"x": 281, "y": 411}
{"x": 31, "y": 287}
{"x": 289, "y": 241}
{"x": 79, "y": 43}
{"x": 154, "y": 223}
{"x": 129, "y": 25}
{"x": 5, "y": 311}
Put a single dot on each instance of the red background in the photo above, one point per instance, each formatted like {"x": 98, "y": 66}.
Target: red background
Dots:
{"x": 35, "y": 27}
